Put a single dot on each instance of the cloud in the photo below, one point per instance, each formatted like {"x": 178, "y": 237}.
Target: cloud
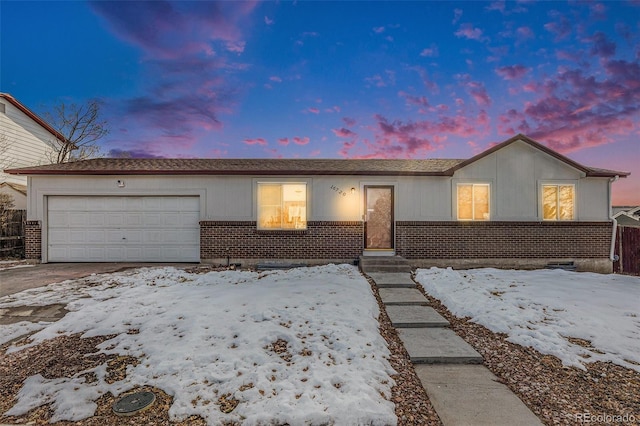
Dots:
{"x": 268, "y": 20}
{"x": 378, "y": 80}
{"x": 132, "y": 153}
{"x": 524, "y": 33}
{"x": 256, "y": 141}
{"x": 457, "y": 14}
{"x": 430, "y": 52}
{"x": 410, "y": 139}
{"x": 560, "y": 26}
{"x": 411, "y": 100}
{"x": 512, "y": 72}
{"x": 378, "y": 30}
{"x": 426, "y": 81}
{"x": 476, "y": 90}
{"x": 598, "y": 11}
{"x": 236, "y": 46}
{"x": 470, "y": 32}
{"x": 350, "y": 122}
{"x": 313, "y": 110}
{"x": 301, "y": 141}
{"x": 574, "y": 110}
{"x": 343, "y": 132}
{"x": 497, "y": 5}
{"x": 193, "y": 46}
{"x": 283, "y": 141}
{"x": 602, "y": 46}
{"x": 275, "y": 78}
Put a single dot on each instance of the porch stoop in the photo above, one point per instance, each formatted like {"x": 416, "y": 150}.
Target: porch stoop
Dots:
{"x": 384, "y": 264}
{"x": 461, "y": 389}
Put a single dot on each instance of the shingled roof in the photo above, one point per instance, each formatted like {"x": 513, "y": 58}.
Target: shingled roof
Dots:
{"x": 282, "y": 167}
{"x": 184, "y": 166}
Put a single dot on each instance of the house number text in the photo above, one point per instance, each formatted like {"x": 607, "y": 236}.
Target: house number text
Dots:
{"x": 339, "y": 191}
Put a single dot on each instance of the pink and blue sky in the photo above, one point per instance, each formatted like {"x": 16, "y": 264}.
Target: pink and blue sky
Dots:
{"x": 344, "y": 79}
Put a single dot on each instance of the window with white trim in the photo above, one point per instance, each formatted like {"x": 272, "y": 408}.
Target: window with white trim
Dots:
{"x": 473, "y": 201}
{"x": 282, "y": 206}
{"x": 558, "y": 202}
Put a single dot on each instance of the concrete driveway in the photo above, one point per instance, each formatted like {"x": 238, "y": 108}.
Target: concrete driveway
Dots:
{"x": 18, "y": 279}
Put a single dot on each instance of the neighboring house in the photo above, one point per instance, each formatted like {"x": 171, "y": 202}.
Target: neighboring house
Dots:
{"x": 627, "y": 240}
{"x": 518, "y": 204}
{"x": 18, "y": 192}
{"x": 25, "y": 140}
{"x": 627, "y": 216}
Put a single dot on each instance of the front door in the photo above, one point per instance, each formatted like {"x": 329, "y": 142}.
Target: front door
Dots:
{"x": 378, "y": 217}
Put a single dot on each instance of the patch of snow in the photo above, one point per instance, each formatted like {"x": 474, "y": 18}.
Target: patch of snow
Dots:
{"x": 544, "y": 308}
{"x": 12, "y": 331}
{"x": 201, "y": 336}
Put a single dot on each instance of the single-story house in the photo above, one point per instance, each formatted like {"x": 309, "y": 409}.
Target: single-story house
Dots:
{"x": 517, "y": 204}
{"x": 25, "y": 140}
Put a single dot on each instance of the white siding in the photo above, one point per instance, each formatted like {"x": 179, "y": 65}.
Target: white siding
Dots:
{"x": 514, "y": 173}
{"x": 28, "y": 144}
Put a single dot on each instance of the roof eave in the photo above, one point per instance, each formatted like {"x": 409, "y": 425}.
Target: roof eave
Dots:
{"x": 33, "y": 116}
{"x": 25, "y": 171}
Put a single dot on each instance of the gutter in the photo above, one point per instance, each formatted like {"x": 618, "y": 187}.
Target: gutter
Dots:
{"x": 612, "y": 249}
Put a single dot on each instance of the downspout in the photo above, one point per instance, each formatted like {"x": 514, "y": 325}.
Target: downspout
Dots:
{"x": 612, "y": 250}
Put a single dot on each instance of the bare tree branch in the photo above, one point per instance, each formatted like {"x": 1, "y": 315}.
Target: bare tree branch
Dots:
{"x": 82, "y": 128}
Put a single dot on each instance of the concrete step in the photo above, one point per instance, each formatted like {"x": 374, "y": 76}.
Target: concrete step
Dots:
{"x": 384, "y": 264}
{"x": 471, "y": 395}
{"x": 402, "y": 296}
{"x": 437, "y": 346}
{"x": 415, "y": 317}
{"x": 384, "y": 260}
{"x": 392, "y": 279}
{"x": 387, "y": 268}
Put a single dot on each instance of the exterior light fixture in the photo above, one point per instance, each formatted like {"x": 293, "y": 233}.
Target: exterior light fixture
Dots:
{"x": 120, "y": 184}
{"x": 353, "y": 190}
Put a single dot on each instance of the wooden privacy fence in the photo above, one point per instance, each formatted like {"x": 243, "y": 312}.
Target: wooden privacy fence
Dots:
{"x": 628, "y": 250}
{"x": 12, "y": 224}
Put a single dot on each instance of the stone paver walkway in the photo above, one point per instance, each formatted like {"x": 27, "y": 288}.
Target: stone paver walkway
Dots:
{"x": 461, "y": 389}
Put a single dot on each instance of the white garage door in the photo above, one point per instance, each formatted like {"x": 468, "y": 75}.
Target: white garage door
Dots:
{"x": 123, "y": 229}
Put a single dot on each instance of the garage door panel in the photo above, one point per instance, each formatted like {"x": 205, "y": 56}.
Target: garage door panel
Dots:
{"x": 60, "y": 236}
{"x": 94, "y": 229}
{"x": 134, "y": 219}
{"x": 110, "y": 204}
{"x": 114, "y": 219}
{"x": 77, "y": 219}
{"x": 77, "y": 236}
{"x": 94, "y": 236}
{"x": 58, "y": 219}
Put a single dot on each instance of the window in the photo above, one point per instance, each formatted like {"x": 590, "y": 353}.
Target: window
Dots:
{"x": 558, "y": 202}
{"x": 473, "y": 201}
{"x": 282, "y": 206}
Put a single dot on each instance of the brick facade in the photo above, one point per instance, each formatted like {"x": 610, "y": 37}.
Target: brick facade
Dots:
{"x": 496, "y": 240}
{"x": 33, "y": 240}
{"x": 241, "y": 240}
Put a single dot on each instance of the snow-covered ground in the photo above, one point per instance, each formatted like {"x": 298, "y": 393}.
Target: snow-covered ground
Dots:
{"x": 544, "y": 308}
{"x": 201, "y": 336}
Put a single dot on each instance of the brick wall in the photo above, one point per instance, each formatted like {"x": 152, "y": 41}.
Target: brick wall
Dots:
{"x": 321, "y": 240}
{"x": 33, "y": 240}
{"x": 484, "y": 240}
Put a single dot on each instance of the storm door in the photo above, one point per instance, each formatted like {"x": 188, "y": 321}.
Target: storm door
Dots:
{"x": 378, "y": 217}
